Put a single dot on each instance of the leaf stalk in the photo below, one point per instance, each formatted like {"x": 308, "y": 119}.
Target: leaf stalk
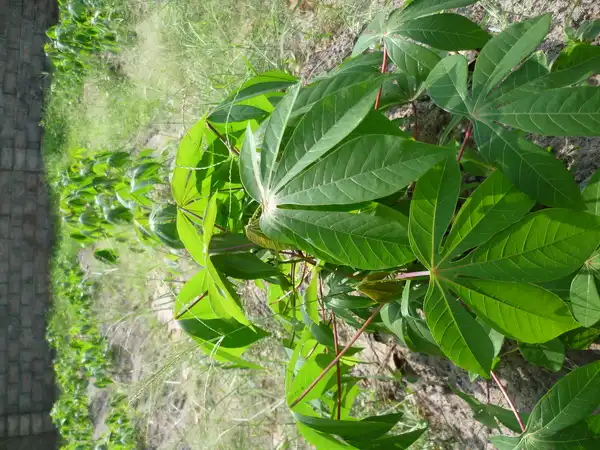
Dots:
{"x": 383, "y": 70}
{"x": 508, "y": 399}
{"x": 338, "y": 356}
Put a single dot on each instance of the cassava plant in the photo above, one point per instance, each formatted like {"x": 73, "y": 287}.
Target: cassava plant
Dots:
{"x": 103, "y": 192}
{"x": 85, "y": 29}
{"x": 338, "y": 214}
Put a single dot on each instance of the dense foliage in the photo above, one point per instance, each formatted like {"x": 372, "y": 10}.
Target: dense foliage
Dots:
{"x": 83, "y": 357}
{"x": 101, "y": 192}
{"x": 85, "y": 30}
{"x": 281, "y": 176}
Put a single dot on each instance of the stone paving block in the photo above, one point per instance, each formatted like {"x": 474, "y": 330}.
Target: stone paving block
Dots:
{"x": 13, "y": 426}
{"x": 26, "y": 377}
{"x": 6, "y": 158}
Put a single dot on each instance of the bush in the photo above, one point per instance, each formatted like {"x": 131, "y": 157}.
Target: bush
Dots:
{"x": 329, "y": 182}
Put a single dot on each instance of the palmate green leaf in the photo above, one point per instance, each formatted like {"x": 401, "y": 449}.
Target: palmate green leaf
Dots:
{"x": 187, "y": 303}
{"x": 505, "y": 442}
{"x": 401, "y": 441}
{"x": 274, "y": 132}
{"x": 371, "y": 35}
{"x": 418, "y": 338}
{"x": 322, "y": 441}
{"x": 585, "y": 299}
{"x": 447, "y": 85}
{"x": 191, "y": 150}
{"x": 432, "y": 208}
{"x": 325, "y": 125}
{"x": 391, "y": 316}
{"x": 420, "y": 8}
{"x": 348, "y": 301}
{"x": 523, "y": 311}
{"x": 230, "y": 243}
{"x": 569, "y": 111}
{"x": 493, "y": 206}
{"x": 243, "y": 266}
{"x": 457, "y": 333}
{"x": 250, "y": 161}
{"x": 191, "y": 237}
{"x": 310, "y": 314}
{"x": 302, "y": 372}
{"x": 355, "y": 430}
{"x": 261, "y": 84}
{"x": 413, "y": 331}
{"x": 227, "y": 333}
{"x": 531, "y": 169}
{"x": 581, "y": 436}
{"x": 550, "y": 355}
{"x": 106, "y": 255}
{"x": 237, "y": 113}
{"x": 398, "y": 89}
{"x": 356, "y": 240}
{"x": 591, "y": 194}
{"x": 163, "y": 223}
{"x": 208, "y": 224}
{"x": 410, "y": 58}
{"x": 445, "y": 31}
{"x": 365, "y": 62}
{"x": 588, "y": 31}
{"x": 314, "y": 92}
{"x": 375, "y": 123}
{"x": 505, "y": 51}
{"x": 573, "y": 65}
{"x": 489, "y": 413}
{"x": 231, "y": 356}
{"x": 222, "y": 296}
{"x": 572, "y": 399}
{"x": 534, "y": 67}
{"x": 543, "y": 246}
{"x": 580, "y": 338}
{"x": 363, "y": 169}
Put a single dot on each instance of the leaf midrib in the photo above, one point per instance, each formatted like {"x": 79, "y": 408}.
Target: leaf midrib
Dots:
{"x": 448, "y": 253}
{"x": 457, "y": 265}
{"x": 372, "y": 172}
{"x": 450, "y": 281}
{"x": 540, "y": 431}
{"x": 462, "y": 337}
{"x": 521, "y": 158}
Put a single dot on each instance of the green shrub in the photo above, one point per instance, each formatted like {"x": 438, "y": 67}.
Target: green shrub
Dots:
{"x": 330, "y": 182}
{"x": 83, "y": 357}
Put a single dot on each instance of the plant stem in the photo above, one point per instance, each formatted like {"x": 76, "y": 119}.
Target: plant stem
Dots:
{"x": 402, "y": 276}
{"x": 338, "y": 357}
{"x": 510, "y": 402}
{"x": 225, "y": 142}
{"x": 383, "y": 70}
{"x": 337, "y": 368}
{"x": 191, "y": 306}
{"x": 416, "y": 117}
{"x": 463, "y": 147}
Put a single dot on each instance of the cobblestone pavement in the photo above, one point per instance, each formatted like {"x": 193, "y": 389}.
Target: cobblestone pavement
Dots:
{"x": 26, "y": 378}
